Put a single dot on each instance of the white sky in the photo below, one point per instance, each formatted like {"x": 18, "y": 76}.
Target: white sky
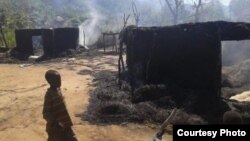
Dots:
{"x": 225, "y": 2}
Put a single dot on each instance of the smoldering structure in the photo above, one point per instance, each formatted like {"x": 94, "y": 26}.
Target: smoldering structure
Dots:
{"x": 166, "y": 67}
{"x": 54, "y": 41}
{"x": 112, "y": 40}
{"x": 188, "y": 55}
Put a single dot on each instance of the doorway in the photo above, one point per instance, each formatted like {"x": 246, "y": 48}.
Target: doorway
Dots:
{"x": 37, "y": 44}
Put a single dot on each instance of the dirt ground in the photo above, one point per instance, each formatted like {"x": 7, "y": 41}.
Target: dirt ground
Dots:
{"x": 22, "y": 90}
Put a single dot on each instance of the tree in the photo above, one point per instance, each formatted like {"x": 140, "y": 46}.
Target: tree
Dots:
{"x": 197, "y": 6}
{"x": 174, "y": 7}
{"x": 135, "y": 13}
{"x": 199, "y": 12}
{"x": 21, "y": 14}
{"x": 214, "y": 11}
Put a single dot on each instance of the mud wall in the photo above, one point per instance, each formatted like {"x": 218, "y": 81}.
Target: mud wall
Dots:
{"x": 66, "y": 38}
{"x": 187, "y": 55}
{"x": 54, "y": 40}
{"x": 24, "y": 40}
{"x": 48, "y": 42}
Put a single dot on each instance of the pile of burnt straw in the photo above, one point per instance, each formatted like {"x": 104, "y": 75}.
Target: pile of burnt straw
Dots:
{"x": 235, "y": 79}
{"x": 153, "y": 103}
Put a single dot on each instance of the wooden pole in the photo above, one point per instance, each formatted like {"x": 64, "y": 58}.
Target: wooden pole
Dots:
{"x": 159, "y": 134}
{"x": 116, "y": 50}
{"x": 104, "y": 47}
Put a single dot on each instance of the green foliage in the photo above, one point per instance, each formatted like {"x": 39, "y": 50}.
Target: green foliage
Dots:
{"x": 10, "y": 38}
{"x": 21, "y": 14}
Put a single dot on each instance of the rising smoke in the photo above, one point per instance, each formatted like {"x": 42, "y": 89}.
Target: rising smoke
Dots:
{"x": 235, "y": 52}
{"x": 105, "y": 18}
{"x": 89, "y": 30}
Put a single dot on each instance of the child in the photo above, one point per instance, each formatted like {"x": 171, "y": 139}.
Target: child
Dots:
{"x": 232, "y": 117}
{"x": 55, "y": 112}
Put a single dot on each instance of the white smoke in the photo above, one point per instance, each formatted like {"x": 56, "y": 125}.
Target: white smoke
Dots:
{"x": 90, "y": 26}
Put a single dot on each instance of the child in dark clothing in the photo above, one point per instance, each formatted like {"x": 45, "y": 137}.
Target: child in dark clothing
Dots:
{"x": 55, "y": 112}
{"x": 232, "y": 117}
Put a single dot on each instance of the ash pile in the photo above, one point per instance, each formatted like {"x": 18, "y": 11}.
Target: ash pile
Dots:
{"x": 235, "y": 79}
{"x": 108, "y": 104}
{"x": 168, "y": 67}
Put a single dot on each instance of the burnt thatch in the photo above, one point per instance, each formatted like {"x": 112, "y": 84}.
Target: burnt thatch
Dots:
{"x": 108, "y": 104}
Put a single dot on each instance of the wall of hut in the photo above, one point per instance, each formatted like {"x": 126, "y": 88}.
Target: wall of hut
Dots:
{"x": 54, "y": 41}
{"x": 187, "y": 55}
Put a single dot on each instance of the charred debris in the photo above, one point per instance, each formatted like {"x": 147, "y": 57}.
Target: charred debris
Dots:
{"x": 166, "y": 67}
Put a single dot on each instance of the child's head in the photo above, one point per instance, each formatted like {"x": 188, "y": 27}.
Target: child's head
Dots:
{"x": 53, "y": 78}
{"x": 232, "y": 117}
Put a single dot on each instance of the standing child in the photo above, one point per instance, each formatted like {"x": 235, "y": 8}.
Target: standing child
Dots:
{"x": 232, "y": 117}
{"x": 55, "y": 112}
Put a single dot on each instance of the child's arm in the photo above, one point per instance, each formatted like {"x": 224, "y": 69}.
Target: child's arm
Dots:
{"x": 62, "y": 114}
{"x": 47, "y": 114}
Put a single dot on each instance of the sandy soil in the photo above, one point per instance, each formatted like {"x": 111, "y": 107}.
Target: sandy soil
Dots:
{"x": 22, "y": 91}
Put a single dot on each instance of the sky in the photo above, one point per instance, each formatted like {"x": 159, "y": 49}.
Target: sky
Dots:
{"x": 225, "y": 2}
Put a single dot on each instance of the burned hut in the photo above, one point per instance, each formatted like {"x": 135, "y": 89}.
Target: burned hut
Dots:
{"x": 54, "y": 41}
{"x": 187, "y": 55}
{"x": 109, "y": 39}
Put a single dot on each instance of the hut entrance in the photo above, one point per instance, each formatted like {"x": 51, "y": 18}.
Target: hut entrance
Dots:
{"x": 110, "y": 39}
{"x": 37, "y": 45}
{"x": 235, "y": 52}
{"x": 46, "y": 42}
